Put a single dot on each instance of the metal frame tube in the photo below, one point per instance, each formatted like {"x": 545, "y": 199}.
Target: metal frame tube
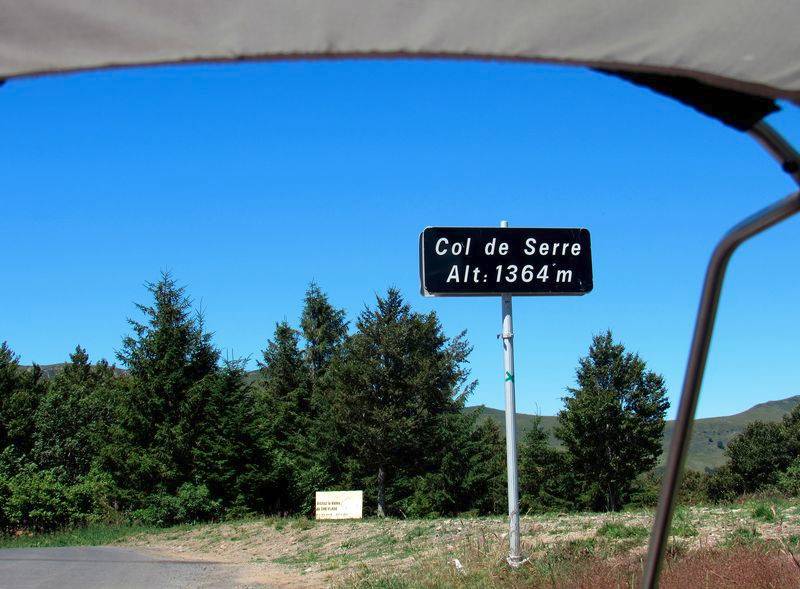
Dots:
{"x": 701, "y": 340}
{"x": 780, "y": 149}
{"x": 777, "y": 146}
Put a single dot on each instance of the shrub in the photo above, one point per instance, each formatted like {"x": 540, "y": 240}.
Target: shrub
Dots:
{"x": 37, "y": 501}
{"x": 5, "y": 493}
{"x": 789, "y": 480}
{"x": 759, "y": 454}
{"x": 90, "y": 498}
{"x": 724, "y": 485}
{"x": 307, "y": 480}
{"x": 194, "y": 503}
{"x": 693, "y": 489}
{"x": 161, "y": 509}
{"x": 429, "y": 498}
{"x": 646, "y": 491}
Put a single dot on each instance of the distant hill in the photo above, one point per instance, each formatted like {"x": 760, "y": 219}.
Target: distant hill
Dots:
{"x": 50, "y": 370}
{"x": 710, "y": 435}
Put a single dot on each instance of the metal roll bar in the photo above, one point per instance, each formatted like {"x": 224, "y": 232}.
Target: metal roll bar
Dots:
{"x": 789, "y": 159}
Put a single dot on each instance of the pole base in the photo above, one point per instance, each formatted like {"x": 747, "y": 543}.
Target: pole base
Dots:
{"x": 514, "y": 561}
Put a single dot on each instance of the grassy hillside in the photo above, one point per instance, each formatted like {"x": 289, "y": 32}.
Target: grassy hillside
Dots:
{"x": 709, "y": 437}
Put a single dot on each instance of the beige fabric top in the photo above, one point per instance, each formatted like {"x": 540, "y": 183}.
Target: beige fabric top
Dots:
{"x": 747, "y": 45}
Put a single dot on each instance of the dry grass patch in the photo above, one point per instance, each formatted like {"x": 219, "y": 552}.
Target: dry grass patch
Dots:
{"x": 562, "y": 548}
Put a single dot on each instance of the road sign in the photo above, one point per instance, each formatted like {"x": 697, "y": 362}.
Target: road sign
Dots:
{"x": 474, "y": 261}
{"x": 483, "y": 261}
{"x": 339, "y": 504}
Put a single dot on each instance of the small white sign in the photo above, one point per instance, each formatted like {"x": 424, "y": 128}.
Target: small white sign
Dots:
{"x": 340, "y": 504}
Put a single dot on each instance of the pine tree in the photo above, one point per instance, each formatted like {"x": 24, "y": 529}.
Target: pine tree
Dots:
{"x": 166, "y": 356}
{"x": 485, "y": 481}
{"x": 225, "y": 454}
{"x": 545, "y": 480}
{"x": 613, "y": 422}
{"x": 324, "y": 330}
{"x": 283, "y": 418}
{"x": 397, "y": 382}
{"x": 20, "y": 393}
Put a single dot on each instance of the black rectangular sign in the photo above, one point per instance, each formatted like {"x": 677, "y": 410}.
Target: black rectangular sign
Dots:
{"x": 464, "y": 261}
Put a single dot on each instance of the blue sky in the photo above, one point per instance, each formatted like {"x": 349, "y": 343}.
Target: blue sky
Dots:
{"x": 248, "y": 181}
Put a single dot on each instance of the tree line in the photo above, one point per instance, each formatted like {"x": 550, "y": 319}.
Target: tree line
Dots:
{"x": 178, "y": 433}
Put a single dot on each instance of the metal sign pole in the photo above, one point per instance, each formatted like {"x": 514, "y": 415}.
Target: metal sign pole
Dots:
{"x": 514, "y": 558}
{"x": 492, "y": 261}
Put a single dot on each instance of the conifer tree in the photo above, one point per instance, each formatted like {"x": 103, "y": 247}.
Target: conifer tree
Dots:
{"x": 226, "y": 458}
{"x": 167, "y": 354}
{"x": 284, "y": 380}
{"x": 10, "y": 383}
{"x": 20, "y": 393}
{"x": 545, "y": 480}
{"x": 613, "y": 422}
{"x": 396, "y": 383}
{"x": 324, "y": 330}
{"x": 485, "y": 480}
{"x": 283, "y": 417}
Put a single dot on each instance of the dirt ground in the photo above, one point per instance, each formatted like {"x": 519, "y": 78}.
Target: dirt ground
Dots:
{"x": 293, "y": 553}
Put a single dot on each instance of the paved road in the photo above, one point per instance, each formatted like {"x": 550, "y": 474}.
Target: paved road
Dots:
{"x": 105, "y": 567}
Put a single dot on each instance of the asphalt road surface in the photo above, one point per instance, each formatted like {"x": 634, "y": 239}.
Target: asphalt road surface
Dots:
{"x": 105, "y": 567}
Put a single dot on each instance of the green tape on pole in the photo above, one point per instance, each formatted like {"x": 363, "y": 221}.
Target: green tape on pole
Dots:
{"x": 509, "y": 377}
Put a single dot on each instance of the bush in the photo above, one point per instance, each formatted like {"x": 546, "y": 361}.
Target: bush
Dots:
{"x": 789, "y": 480}
{"x": 307, "y": 480}
{"x": 37, "y": 501}
{"x": 194, "y": 504}
{"x": 646, "y": 491}
{"x": 5, "y": 493}
{"x": 724, "y": 485}
{"x": 759, "y": 454}
{"x": 161, "y": 509}
{"x": 40, "y": 500}
{"x": 91, "y": 498}
{"x": 693, "y": 489}
{"x": 429, "y": 498}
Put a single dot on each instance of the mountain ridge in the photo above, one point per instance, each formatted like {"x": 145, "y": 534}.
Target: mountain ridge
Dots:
{"x": 710, "y": 435}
